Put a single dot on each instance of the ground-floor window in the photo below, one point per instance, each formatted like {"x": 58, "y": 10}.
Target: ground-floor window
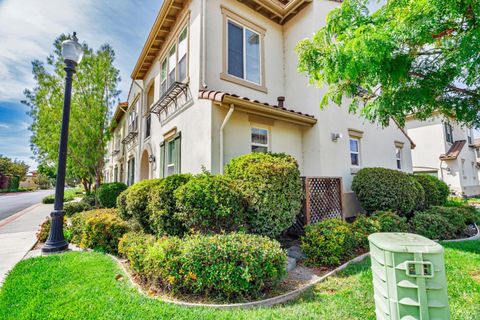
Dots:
{"x": 131, "y": 171}
{"x": 259, "y": 140}
{"x": 354, "y": 151}
{"x": 170, "y": 155}
{"x": 398, "y": 157}
{"x": 115, "y": 174}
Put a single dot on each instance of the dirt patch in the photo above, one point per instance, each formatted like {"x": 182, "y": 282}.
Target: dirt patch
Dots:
{"x": 475, "y": 275}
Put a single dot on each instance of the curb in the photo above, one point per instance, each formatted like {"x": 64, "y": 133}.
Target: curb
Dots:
{"x": 261, "y": 303}
{"x": 17, "y": 215}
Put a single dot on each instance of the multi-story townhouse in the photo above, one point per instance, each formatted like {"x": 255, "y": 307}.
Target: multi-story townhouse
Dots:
{"x": 446, "y": 150}
{"x": 217, "y": 79}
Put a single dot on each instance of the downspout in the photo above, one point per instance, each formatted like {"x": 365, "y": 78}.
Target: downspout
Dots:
{"x": 225, "y": 121}
{"x": 136, "y": 171}
{"x": 203, "y": 39}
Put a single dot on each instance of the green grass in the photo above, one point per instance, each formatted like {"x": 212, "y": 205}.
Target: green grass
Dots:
{"x": 82, "y": 286}
{"x": 68, "y": 195}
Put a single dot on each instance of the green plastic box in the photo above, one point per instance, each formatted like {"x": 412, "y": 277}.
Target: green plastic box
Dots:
{"x": 408, "y": 277}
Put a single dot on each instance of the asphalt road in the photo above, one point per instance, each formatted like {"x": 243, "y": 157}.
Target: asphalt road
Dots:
{"x": 13, "y": 202}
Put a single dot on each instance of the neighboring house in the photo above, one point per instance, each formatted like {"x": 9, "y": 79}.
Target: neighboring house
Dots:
{"x": 446, "y": 150}
{"x": 217, "y": 79}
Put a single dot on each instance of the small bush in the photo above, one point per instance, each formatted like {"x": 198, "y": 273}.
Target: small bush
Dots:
{"x": 49, "y": 199}
{"x": 98, "y": 229}
{"x": 390, "y": 222}
{"x": 436, "y": 191}
{"x": 44, "y": 230}
{"x": 122, "y": 206}
{"x": 90, "y": 199}
{"x": 69, "y": 195}
{"x": 163, "y": 206}
{"x": 454, "y": 215}
{"x": 362, "y": 227}
{"x": 136, "y": 202}
{"x": 328, "y": 242}
{"x": 107, "y": 193}
{"x": 431, "y": 225}
{"x": 386, "y": 189}
{"x": 272, "y": 189}
{"x": 471, "y": 214}
{"x": 74, "y": 207}
{"x": 209, "y": 203}
{"x": 133, "y": 246}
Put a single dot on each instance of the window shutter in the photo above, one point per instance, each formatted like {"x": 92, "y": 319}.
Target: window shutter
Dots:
{"x": 177, "y": 157}
{"x": 162, "y": 159}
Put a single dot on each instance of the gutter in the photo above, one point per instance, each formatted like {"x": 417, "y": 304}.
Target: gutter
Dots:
{"x": 225, "y": 121}
{"x": 202, "y": 42}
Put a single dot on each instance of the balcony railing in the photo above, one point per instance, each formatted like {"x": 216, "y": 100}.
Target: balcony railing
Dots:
{"x": 170, "y": 96}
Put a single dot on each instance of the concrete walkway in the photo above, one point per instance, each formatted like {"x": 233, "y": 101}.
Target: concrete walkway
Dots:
{"x": 18, "y": 235}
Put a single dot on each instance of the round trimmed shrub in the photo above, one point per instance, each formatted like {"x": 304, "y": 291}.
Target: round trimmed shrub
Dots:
{"x": 386, "y": 189}
{"x": 272, "y": 189}
{"x": 436, "y": 191}
{"x": 390, "y": 222}
{"x": 232, "y": 265}
{"x": 107, "y": 193}
{"x": 136, "y": 202}
{"x": 471, "y": 214}
{"x": 163, "y": 206}
{"x": 209, "y": 203}
{"x": 133, "y": 246}
{"x": 362, "y": 227}
{"x": 328, "y": 242}
{"x": 431, "y": 225}
{"x": 75, "y": 207}
{"x": 99, "y": 229}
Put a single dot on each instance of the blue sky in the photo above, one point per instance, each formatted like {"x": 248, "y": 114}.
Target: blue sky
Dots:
{"x": 28, "y": 29}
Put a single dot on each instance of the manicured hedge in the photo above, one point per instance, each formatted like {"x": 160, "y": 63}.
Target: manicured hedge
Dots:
{"x": 107, "y": 193}
{"x": 436, "y": 191}
{"x": 390, "y": 222}
{"x": 272, "y": 189}
{"x": 210, "y": 204}
{"x": 386, "y": 189}
{"x": 432, "y": 225}
{"x": 76, "y": 206}
{"x": 228, "y": 266}
{"x": 328, "y": 242}
{"x": 98, "y": 229}
{"x": 163, "y": 206}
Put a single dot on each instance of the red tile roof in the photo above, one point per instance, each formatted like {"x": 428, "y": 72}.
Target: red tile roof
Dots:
{"x": 454, "y": 150}
{"x": 219, "y": 95}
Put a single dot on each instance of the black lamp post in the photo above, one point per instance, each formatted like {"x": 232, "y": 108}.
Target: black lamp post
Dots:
{"x": 72, "y": 54}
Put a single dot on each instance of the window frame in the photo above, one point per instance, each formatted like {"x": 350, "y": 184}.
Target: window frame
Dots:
{"x": 350, "y": 152}
{"x": 164, "y": 59}
{"x": 448, "y": 130}
{"x": 399, "y": 157}
{"x": 229, "y": 16}
{"x": 256, "y": 144}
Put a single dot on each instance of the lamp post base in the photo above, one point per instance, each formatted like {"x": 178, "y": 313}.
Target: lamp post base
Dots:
{"x": 56, "y": 241}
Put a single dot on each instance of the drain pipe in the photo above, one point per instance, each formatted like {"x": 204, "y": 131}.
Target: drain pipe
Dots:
{"x": 203, "y": 34}
{"x": 227, "y": 117}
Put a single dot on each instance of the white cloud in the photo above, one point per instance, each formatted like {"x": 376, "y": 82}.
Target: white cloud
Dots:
{"x": 4, "y": 126}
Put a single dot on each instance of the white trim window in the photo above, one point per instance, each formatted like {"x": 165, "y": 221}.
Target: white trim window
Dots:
{"x": 260, "y": 140}
{"x": 398, "y": 157}
{"x": 448, "y": 132}
{"x": 174, "y": 67}
{"x": 354, "y": 151}
{"x": 243, "y": 52}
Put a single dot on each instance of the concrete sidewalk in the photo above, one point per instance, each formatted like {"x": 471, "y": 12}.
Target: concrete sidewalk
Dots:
{"x": 18, "y": 235}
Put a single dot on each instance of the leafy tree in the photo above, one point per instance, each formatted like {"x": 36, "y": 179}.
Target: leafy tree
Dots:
{"x": 14, "y": 168}
{"x": 93, "y": 94}
{"x": 410, "y": 56}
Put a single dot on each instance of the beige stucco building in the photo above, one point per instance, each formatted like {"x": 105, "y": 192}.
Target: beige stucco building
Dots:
{"x": 217, "y": 79}
{"x": 447, "y": 150}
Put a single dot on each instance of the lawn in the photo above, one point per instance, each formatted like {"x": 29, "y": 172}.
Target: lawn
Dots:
{"x": 82, "y": 286}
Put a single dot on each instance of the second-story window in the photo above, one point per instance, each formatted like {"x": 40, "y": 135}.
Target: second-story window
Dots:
{"x": 132, "y": 118}
{"x": 243, "y": 53}
{"x": 174, "y": 66}
{"x": 398, "y": 157}
{"x": 448, "y": 132}
{"x": 148, "y": 123}
{"x": 163, "y": 77}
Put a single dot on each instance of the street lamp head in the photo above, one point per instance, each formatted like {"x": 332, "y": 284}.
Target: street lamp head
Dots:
{"x": 72, "y": 50}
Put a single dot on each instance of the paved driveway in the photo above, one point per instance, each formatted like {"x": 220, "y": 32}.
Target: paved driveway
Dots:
{"x": 13, "y": 202}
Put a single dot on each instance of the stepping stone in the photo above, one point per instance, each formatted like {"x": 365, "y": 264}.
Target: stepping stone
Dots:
{"x": 296, "y": 252}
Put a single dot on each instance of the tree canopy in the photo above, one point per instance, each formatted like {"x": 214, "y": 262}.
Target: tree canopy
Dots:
{"x": 409, "y": 57}
{"x": 94, "y": 92}
{"x": 11, "y": 167}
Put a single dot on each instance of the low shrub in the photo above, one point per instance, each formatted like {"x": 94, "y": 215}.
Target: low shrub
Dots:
{"x": 133, "y": 246}
{"x": 136, "y": 202}
{"x": 436, "y": 191}
{"x": 271, "y": 186}
{"x": 163, "y": 206}
{"x": 471, "y": 214}
{"x": 69, "y": 195}
{"x": 328, "y": 242}
{"x": 44, "y": 230}
{"x": 209, "y": 203}
{"x": 76, "y": 206}
{"x": 454, "y": 215}
{"x": 431, "y": 225}
{"x": 98, "y": 229}
{"x": 90, "y": 199}
{"x": 390, "y": 222}
{"x": 362, "y": 227}
{"x": 107, "y": 193}
{"x": 122, "y": 206}
{"x": 386, "y": 189}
